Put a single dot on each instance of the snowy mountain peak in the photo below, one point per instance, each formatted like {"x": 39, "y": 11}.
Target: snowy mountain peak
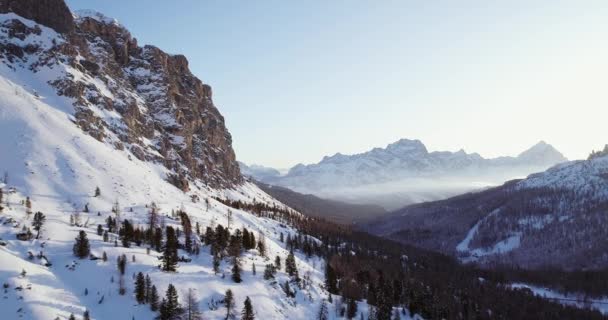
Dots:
{"x": 407, "y": 146}
{"x": 406, "y": 159}
{"x": 98, "y": 16}
{"x": 542, "y": 152}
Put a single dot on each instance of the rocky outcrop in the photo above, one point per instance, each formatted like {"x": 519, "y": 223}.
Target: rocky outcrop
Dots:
{"x": 51, "y": 13}
{"x": 165, "y": 113}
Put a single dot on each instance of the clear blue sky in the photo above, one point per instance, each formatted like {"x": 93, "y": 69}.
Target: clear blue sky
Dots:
{"x": 297, "y": 80}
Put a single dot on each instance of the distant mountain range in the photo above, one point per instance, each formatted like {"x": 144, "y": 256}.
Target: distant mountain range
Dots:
{"x": 406, "y": 172}
{"x": 554, "y": 218}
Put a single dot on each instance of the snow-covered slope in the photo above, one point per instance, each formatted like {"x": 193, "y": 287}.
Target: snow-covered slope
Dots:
{"x": 556, "y": 217}
{"x": 51, "y": 160}
{"x": 405, "y": 172}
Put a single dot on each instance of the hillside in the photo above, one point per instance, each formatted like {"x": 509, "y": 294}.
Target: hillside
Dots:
{"x": 70, "y": 113}
{"x": 332, "y": 210}
{"x": 553, "y": 218}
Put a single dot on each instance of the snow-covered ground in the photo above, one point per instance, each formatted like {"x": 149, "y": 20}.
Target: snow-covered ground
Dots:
{"x": 573, "y": 299}
{"x": 49, "y": 159}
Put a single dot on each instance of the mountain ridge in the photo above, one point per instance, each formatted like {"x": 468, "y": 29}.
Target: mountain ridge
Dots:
{"x": 552, "y": 218}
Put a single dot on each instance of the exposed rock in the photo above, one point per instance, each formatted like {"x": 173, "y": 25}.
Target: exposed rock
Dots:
{"x": 139, "y": 99}
{"x": 51, "y": 13}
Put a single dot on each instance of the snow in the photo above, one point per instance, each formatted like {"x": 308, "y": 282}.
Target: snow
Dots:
{"x": 467, "y": 254}
{"x": 87, "y": 13}
{"x": 52, "y": 161}
{"x": 573, "y": 299}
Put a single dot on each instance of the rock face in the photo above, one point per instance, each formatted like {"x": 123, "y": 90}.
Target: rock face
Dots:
{"x": 139, "y": 99}
{"x": 51, "y": 13}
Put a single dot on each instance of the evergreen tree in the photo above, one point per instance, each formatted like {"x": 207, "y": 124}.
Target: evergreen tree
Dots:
{"x": 86, "y": 316}
{"x": 170, "y": 309}
{"x": 331, "y": 283}
{"x": 104, "y": 257}
{"x": 72, "y": 317}
{"x": 351, "y": 308}
{"x": 323, "y": 313}
{"x": 170, "y": 256}
{"x": 81, "y": 248}
{"x": 277, "y": 262}
{"x": 97, "y": 192}
{"x": 153, "y": 299}
{"x": 38, "y": 222}
{"x": 247, "y": 313}
{"x": 269, "y": 272}
{"x": 140, "y": 288}
{"x": 28, "y": 206}
{"x": 148, "y": 288}
{"x": 216, "y": 263}
{"x": 290, "y": 265}
{"x": 121, "y": 264}
{"x": 236, "y": 270}
{"x": 229, "y": 304}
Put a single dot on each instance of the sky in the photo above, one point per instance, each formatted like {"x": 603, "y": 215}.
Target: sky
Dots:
{"x": 298, "y": 80}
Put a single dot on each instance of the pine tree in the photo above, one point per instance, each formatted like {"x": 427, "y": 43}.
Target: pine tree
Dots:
{"x": 236, "y": 270}
{"x": 331, "y": 283}
{"x": 170, "y": 308}
{"x": 148, "y": 288}
{"x": 28, "y": 206}
{"x": 121, "y": 264}
{"x": 38, "y": 222}
{"x": 262, "y": 245}
{"x": 72, "y": 317}
{"x": 269, "y": 272}
{"x": 170, "y": 256}
{"x": 290, "y": 265}
{"x": 323, "y": 313}
{"x": 216, "y": 263}
{"x": 140, "y": 288}
{"x": 153, "y": 298}
{"x": 229, "y": 304}
{"x": 86, "y": 316}
{"x": 97, "y": 192}
{"x": 277, "y": 262}
{"x": 247, "y": 313}
{"x": 104, "y": 257}
{"x": 351, "y": 308}
{"x": 81, "y": 248}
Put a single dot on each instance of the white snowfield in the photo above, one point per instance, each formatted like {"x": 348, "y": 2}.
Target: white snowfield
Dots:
{"x": 49, "y": 159}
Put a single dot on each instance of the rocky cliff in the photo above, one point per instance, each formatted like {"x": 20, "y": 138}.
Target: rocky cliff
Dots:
{"x": 139, "y": 99}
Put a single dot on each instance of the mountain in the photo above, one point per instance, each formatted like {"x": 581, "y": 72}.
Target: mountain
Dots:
{"x": 258, "y": 172}
{"x": 553, "y": 218}
{"x": 332, "y": 210}
{"x": 406, "y": 172}
{"x": 137, "y": 99}
{"x": 121, "y": 190}
{"x": 99, "y": 135}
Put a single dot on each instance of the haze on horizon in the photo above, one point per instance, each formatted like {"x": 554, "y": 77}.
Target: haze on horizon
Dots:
{"x": 298, "y": 81}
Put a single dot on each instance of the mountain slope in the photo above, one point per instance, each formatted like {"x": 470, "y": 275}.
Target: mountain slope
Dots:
{"x": 339, "y": 212}
{"x": 55, "y": 159}
{"x": 554, "y": 218}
